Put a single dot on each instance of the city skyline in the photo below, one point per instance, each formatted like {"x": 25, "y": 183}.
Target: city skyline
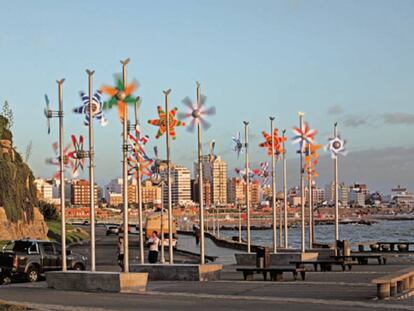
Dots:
{"x": 278, "y": 61}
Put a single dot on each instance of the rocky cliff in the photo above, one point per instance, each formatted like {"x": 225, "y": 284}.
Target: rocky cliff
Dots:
{"x": 18, "y": 216}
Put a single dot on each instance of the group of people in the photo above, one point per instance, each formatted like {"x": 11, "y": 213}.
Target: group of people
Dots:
{"x": 153, "y": 244}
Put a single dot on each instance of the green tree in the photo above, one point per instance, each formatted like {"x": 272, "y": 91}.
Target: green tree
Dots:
{"x": 48, "y": 211}
{"x": 7, "y": 113}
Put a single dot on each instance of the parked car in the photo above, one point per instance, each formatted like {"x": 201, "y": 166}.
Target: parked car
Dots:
{"x": 112, "y": 230}
{"x": 32, "y": 258}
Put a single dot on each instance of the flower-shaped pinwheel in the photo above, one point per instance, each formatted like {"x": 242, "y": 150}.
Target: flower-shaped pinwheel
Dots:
{"x": 263, "y": 172}
{"x": 304, "y": 136}
{"x": 277, "y": 143}
{"x": 68, "y": 160}
{"x": 242, "y": 173}
{"x": 144, "y": 166}
{"x": 336, "y": 146}
{"x": 311, "y": 159}
{"x": 121, "y": 95}
{"x": 78, "y": 154}
{"x": 237, "y": 144}
{"x": 97, "y": 111}
{"x": 197, "y": 113}
{"x": 162, "y": 122}
{"x": 137, "y": 143}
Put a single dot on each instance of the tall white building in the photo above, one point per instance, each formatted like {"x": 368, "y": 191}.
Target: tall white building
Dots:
{"x": 180, "y": 184}
{"x": 215, "y": 172}
{"x": 343, "y": 193}
{"x": 44, "y": 189}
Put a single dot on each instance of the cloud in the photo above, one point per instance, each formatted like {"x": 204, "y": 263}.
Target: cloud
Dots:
{"x": 356, "y": 120}
{"x": 398, "y": 118}
{"x": 335, "y": 110}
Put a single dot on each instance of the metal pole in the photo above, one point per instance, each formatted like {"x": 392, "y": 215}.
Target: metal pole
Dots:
{"x": 336, "y": 190}
{"x": 162, "y": 223}
{"x": 246, "y": 140}
{"x": 302, "y": 189}
{"x": 273, "y": 187}
{"x": 170, "y": 216}
{"x": 285, "y": 206}
{"x": 310, "y": 200}
{"x": 200, "y": 182}
{"x": 91, "y": 171}
{"x": 125, "y": 172}
{"x": 218, "y": 223}
{"x": 139, "y": 193}
{"x": 62, "y": 176}
{"x": 240, "y": 223}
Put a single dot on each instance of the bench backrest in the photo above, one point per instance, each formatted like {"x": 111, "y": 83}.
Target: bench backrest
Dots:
{"x": 394, "y": 277}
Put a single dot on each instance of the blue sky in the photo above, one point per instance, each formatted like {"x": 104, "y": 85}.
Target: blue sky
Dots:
{"x": 346, "y": 61}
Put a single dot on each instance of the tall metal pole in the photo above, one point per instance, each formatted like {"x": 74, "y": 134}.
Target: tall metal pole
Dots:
{"x": 91, "y": 171}
{"x": 273, "y": 187}
{"x": 240, "y": 223}
{"x": 310, "y": 199}
{"x": 285, "y": 206}
{"x": 62, "y": 175}
{"x": 170, "y": 216}
{"x": 139, "y": 193}
{"x": 246, "y": 140}
{"x": 336, "y": 190}
{"x": 200, "y": 181}
{"x": 162, "y": 260}
{"x": 125, "y": 172}
{"x": 302, "y": 188}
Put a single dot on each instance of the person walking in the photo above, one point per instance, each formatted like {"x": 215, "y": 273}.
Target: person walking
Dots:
{"x": 120, "y": 253}
{"x": 153, "y": 243}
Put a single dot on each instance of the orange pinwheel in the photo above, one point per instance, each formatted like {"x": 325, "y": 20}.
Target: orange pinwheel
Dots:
{"x": 162, "y": 122}
{"x": 277, "y": 143}
{"x": 121, "y": 95}
{"x": 311, "y": 159}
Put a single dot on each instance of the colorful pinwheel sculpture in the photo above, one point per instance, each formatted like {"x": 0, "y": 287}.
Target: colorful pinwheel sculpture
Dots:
{"x": 336, "y": 146}
{"x": 277, "y": 143}
{"x": 144, "y": 166}
{"x": 242, "y": 173}
{"x": 68, "y": 160}
{"x": 138, "y": 159}
{"x": 97, "y": 105}
{"x": 237, "y": 144}
{"x": 311, "y": 159}
{"x": 121, "y": 95}
{"x": 304, "y": 136}
{"x": 78, "y": 154}
{"x": 162, "y": 122}
{"x": 263, "y": 173}
{"x": 212, "y": 155}
{"x": 197, "y": 113}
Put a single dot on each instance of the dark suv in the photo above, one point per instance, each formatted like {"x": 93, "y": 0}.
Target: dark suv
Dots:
{"x": 32, "y": 258}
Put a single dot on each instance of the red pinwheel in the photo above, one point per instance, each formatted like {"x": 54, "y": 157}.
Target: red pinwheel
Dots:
{"x": 162, "y": 122}
{"x": 277, "y": 143}
{"x": 304, "y": 136}
{"x": 78, "y": 154}
{"x": 67, "y": 160}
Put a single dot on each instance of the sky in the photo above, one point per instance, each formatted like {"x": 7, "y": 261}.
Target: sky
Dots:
{"x": 337, "y": 61}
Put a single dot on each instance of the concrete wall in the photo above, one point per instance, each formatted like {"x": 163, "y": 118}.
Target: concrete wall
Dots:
{"x": 179, "y": 272}
{"x": 279, "y": 259}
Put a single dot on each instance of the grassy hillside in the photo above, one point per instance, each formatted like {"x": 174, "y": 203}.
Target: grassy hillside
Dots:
{"x": 73, "y": 235}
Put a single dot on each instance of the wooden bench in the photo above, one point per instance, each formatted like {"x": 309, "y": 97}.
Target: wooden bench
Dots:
{"x": 276, "y": 273}
{"x": 325, "y": 265}
{"x": 362, "y": 259}
{"x": 394, "y": 284}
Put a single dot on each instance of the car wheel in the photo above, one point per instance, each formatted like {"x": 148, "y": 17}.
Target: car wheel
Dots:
{"x": 78, "y": 267}
{"x": 32, "y": 274}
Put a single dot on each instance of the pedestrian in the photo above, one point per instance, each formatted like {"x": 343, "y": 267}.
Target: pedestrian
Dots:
{"x": 153, "y": 243}
{"x": 196, "y": 234}
{"x": 121, "y": 253}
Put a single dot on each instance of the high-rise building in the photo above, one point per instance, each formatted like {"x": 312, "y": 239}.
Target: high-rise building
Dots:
{"x": 343, "y": 193}
{"x": 255, "y": 193}
{"x": 215, "y": 172}
{"x": 180, "y": 184}
{"x": 80, "y": 194}
{"x": 206, "y": 191}
{"x": 150, "y": 193}
{"x": 236, "y": 191}
{"x": 44, "y": 189}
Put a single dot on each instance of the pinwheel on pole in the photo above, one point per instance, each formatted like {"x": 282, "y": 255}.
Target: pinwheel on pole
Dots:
{"x": 311, "y": 160}
{"x": 237, "y": 146}
{"x": 303, "y": 135}
{"x": 121, "y": 96}
{"x": 68, "y": 162}
{"x": 246, "y": 160}
{"x": 97, "y": 108}
{"x": 167, "y": 123}
{"x": 336, "y": 146}
{"x": 197, "y": 112}
{"x": 59, "y": 114}
{"x": 272, "y": 143}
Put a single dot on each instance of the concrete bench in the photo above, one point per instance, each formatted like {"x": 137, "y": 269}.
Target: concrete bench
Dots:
{"x": 99, "y": 281}
{"x": 362, "y": 259}
{"x": 276, "y": 273}
{"x": 325, "y": 265}
{"x": 394, "y": 284}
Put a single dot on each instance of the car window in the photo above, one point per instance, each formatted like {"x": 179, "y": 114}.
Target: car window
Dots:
{"x": 18, "y": 246}
{"x": 48, "y": 249}
{"x": 33, "y": 248}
